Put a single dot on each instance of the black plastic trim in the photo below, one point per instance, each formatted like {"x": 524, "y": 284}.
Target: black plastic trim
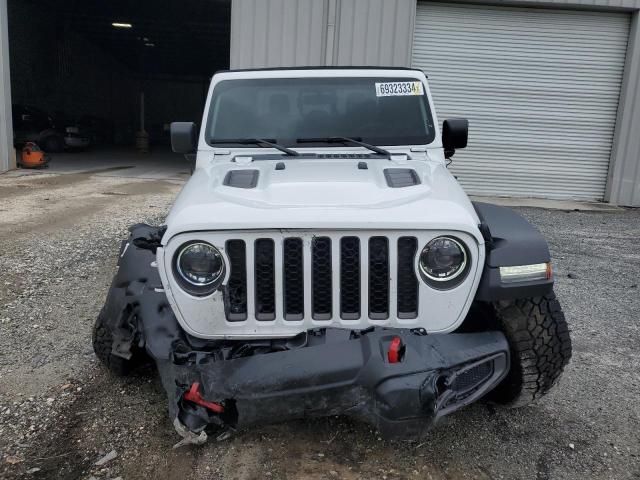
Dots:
{"x": 341, "y": 372}
{"x": 408, "y": 295}
{"x": 265, "y": 279}
{"x": 322, "y": 67}
{"x": 379, "y": 295}
{"x": 235, "y": 292}
{"x": 293, "y": 278}
{"x": 241, "y": 178}
{"x": 321, "y": 278}
{"x": 510, "y": 240}
{"x": 514, "y": 241}
{"x": 350, "y": 280}
{"x": 401, "y": 177}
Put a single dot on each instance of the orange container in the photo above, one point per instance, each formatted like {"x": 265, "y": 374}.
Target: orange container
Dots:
{"x": 33, "y": 157}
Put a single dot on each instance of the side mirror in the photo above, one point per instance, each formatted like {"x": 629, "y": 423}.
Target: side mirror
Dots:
{"x": 184, "y": 137}
{"x": 455, "y": 133}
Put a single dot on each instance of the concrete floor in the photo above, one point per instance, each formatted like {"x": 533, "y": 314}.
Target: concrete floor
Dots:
{"x": 160, "y": 164}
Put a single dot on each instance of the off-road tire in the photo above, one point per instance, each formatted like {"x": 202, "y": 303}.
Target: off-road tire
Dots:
{"x": 540, "y": 347}
{"x": 102, "y": 345}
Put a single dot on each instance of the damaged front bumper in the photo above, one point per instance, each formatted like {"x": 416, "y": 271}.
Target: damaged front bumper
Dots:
{"x": 338, "y": 372}
{"x": 400, "y": 381}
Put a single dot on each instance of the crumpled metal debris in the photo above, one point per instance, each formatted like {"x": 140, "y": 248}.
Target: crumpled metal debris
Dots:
{"x": 188, "y": 437}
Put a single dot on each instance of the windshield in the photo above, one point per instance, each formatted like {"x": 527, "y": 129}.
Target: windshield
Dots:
{"x": 307, "y": 111}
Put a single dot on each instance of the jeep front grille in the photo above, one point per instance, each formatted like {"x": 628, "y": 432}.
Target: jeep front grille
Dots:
{"x": 236, "y": 294}
{"x": 350, "y": 278}
{"x": 347, "y": 276}
{"x": 265, "y": 279}
{"x": 378, "y": 278}
{"x": 407, "y": 280}
{"x": 321, "y": 278}
{"x": 293, "y": 279}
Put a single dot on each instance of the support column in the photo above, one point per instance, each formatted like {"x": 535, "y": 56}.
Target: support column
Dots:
{"x": 623, "y": 183}
{"x": 7, "y": 153}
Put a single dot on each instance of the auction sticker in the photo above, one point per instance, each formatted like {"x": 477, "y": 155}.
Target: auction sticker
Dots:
{"x": 396, "y": 89}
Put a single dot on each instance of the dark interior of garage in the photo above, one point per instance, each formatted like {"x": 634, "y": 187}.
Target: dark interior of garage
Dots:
{"x": 116, "y": 72}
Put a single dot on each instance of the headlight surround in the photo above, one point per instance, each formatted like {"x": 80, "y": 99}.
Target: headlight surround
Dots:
{"x": 444, "y": 262}
{"x": 199, "y": 268}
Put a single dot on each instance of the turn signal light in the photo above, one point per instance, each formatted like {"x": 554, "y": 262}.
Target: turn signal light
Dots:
{"x": 526, "y": 273}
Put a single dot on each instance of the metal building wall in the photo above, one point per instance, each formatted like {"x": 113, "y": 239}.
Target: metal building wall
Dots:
{"x": 623, "y": 186}
{"x": 277, "y": 33}
{"x": 7, "y": 155}
{"x": 285, "y": 33}
{"x": 374, "y": 32}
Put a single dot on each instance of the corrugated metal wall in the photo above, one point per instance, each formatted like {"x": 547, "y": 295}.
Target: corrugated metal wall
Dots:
{"x": 623, "y": 187}
{"x": 374, "y": 32}
{"x": 591, "y": 4}
{"x": 540, "y": 88}
{"x": 277, "y": 33}
{"x": 285, "y": 33}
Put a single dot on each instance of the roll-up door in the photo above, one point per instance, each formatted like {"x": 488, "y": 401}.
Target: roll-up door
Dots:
{"x": 540, "y": 88}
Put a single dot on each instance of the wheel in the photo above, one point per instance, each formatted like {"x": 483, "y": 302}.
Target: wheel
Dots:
{"x": 102, "y": 345}
{"x": 540, "y": 347}
{"x": 53, "y": 144}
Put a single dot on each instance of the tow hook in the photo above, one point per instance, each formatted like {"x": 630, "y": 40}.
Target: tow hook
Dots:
{"x": 396, "y": 350}
{"x": 194, "y": 415}
{"x": 193, "y": 395}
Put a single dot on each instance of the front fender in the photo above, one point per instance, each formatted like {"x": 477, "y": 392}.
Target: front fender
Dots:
{"x": 510, "y": 240}
{"x": 137, "y": 289}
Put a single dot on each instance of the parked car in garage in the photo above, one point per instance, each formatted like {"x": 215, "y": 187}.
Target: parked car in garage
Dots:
{"x": 99, "y": 130}
{"x": 31, "y": 124}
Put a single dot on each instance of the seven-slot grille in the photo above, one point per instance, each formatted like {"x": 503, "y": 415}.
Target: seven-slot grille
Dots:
{"x": 344, "y": 271}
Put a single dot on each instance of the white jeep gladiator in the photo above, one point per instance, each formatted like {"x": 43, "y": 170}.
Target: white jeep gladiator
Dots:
{"x": 322, "y": 260}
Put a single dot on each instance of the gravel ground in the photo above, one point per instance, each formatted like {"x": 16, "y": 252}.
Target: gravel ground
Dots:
{"x": 60, "y": 412}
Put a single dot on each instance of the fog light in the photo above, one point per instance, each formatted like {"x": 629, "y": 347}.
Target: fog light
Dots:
{"x": 525, "y": 273}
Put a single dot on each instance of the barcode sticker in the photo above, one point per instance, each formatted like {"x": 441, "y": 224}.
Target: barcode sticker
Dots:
{"x": 395, "y": 89}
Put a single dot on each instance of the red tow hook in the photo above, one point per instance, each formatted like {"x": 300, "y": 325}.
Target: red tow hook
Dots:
{"x": 193, "y": 395}
{"x": 396, "y": 350}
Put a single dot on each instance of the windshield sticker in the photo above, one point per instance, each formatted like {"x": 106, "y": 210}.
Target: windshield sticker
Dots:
{"x": 396, "y": 89}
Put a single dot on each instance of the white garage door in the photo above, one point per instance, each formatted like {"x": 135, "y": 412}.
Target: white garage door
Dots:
{"x": 540, "y": 89}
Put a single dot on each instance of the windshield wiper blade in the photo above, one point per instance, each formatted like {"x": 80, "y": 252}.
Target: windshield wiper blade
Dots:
{"x": 257, "y": 141}
{"x": 354, "y": 140}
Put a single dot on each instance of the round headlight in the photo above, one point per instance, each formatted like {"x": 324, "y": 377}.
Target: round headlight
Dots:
{"x": 443, "y": 262}
{"x": 199, "y": 268}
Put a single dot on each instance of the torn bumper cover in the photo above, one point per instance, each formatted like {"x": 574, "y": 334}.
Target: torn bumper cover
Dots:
{"x": 338, "y": 372}
{"x": 400, "y": 381}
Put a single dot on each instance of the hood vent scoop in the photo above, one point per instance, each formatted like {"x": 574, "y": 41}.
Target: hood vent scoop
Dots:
{"x": 241, "y": 178}
{"x": 401, "y": 177}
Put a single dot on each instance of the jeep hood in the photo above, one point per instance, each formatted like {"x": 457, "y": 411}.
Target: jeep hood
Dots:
{"x": 321, "y": 194}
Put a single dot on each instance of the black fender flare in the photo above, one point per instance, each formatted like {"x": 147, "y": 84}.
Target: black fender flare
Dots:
{"x": 510, "y": 240}
{"x": 137, "y": 288}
